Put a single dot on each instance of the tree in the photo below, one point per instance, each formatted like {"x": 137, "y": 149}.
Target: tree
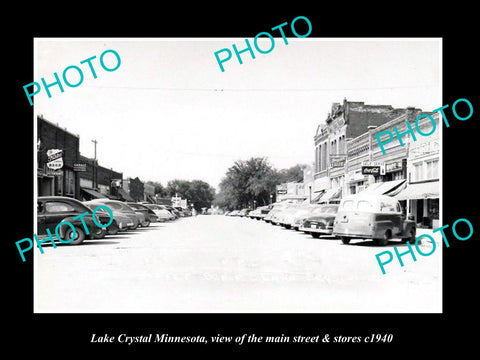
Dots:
{"x": 253, "y": 181}
{"x": 197, "y": 192}
{"x": 247, "y": 181}
{"x": 159, "y": 189}
{"x": 292, "y": 174}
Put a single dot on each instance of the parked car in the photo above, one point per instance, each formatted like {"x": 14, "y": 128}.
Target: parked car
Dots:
{"x": 162, "y": 213}
{"x": 279, "y": 216}
{"x": 243, "y": 212}
{"x": 275, "y": 208}
{"x": 119, "y": 207}
{"x": 119, "y": 222}
{"x": 234, "y": 213}
{"x": 148, "y": 213}
{"x": 259, "y": 212}
{"x": 173, "y": 211}
{"x": 52, "y": 210}
{"x": 377, "y": 217}
{"x": 295, "y": 218}
{"x": 186, "y": 211}
{"x": 320, "y": 222}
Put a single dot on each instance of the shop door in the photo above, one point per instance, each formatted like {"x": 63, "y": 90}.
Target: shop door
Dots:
{"x": 419, "y": 215}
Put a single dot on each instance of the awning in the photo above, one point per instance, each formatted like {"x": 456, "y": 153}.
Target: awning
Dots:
{"x": 93, "y": 193}
{"x": 124, "y": 195}
{"x": 385, "y": 188}
{"x": 330, "y": 195}
{"x": 317, "y": 196}
{"x": 424, "y": 190}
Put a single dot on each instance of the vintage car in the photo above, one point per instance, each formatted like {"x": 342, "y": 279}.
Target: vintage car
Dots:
{"x": 148, "y": 213}
{"x": 320, "y": 221}
{"x": 377, "y": 217}
{"x": 119, "y": 207}
{"x": 52, "y": 210}
{"x": 162, "y": 213}
{"x": 120, "y": 222}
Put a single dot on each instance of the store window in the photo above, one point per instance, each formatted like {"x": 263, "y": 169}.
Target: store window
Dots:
{"x": 432, "y": 169}
{"x": 69, "y": 182}
{"x": 417, "y": 171}
{"x": 59, "y": 184}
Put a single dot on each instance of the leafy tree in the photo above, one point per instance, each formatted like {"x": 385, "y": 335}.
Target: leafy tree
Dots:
{"x": 159, "y": 189}
{"x": 253, "y": 180}
{"x": 198, "y": 192}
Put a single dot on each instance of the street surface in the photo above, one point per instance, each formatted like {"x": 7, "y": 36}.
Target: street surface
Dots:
{"x": 215, "y": 263}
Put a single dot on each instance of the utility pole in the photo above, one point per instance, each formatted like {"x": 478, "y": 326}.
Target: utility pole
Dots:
{"x": 95, "y": 165}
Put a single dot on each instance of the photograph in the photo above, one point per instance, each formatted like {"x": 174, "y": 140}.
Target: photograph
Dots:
{"x": 287, "y": 180}
{"x": 232, "y": 189}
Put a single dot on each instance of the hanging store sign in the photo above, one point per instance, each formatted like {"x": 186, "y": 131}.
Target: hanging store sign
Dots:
{"x": 395, "y": 166}
{"x": 54, "y": 159}
{"x": 79, "y": 167}
{"x": 373, "y": 168}
{"x": 370, "y": 170}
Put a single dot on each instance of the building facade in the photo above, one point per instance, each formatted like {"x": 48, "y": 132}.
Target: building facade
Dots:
{"x": 97, "y": 181}
{"x": 422, "y": 193}
{"x": 348, "y": 162}
{"x": 133, "y": 189}
{"x": 57, "y": 152}
{"x": 335, "y": 170}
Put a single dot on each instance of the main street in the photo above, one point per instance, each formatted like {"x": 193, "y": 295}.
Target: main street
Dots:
{"x": 215, "y": 263}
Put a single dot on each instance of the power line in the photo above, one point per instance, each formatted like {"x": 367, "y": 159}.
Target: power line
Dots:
{"x": 258, "y": 89}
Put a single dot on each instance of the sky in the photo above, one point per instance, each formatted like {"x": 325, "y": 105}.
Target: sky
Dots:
{"x": 169, "y": 112}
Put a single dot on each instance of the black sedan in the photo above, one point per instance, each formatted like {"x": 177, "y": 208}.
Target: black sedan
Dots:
{"x": 52, "y": 210}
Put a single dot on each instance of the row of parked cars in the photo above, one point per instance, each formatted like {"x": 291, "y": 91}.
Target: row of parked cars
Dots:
{"x": 360, "y": 216}
{"x": 53, "y": 210}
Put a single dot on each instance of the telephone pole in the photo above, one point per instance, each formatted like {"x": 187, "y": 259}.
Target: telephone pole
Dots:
{"x": 95, "y": 165}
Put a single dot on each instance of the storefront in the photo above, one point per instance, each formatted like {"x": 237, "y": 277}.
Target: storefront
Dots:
{"x": 57, "y": 151}
{"x": 423, "y": 202}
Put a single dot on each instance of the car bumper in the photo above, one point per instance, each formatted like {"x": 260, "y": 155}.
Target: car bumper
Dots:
{"x": 326, "y": 231}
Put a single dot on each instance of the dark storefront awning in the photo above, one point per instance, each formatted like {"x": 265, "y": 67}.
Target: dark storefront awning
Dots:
{"x": 330, "y": 195}
{"x": 389, "y": 188}
{"x": 317, "y": 196}
{"x": 425, "y": 190}
{"x": 124, "y": 195}
{"x": 93, "y": 193}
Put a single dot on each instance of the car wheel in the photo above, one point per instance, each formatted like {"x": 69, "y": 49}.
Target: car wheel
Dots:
{"x": 288, "y": 226}
{"x": 315, "y": 235}
{"x": 113, "y": 230}
{"x": 79, "y": 236}
{"x": 384, "y": 240}
{"x": 99, "y": 233}
{"x": 345, "y": 240}
{"x": 133, "y": 227}
{"x": 412, "y": 236}
{"x": 146, "y": 223}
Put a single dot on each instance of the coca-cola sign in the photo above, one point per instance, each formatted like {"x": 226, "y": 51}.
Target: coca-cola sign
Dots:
{"x": 370, "y": 170}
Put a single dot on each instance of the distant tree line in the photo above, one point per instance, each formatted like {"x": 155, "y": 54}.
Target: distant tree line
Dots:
{"x": 252, "y": 181}
{"x": 197, "y": 192}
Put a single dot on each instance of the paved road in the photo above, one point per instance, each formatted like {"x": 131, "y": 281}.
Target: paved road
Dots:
{"x": 230, "y": 264}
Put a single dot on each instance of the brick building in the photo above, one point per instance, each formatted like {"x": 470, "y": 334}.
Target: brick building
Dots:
{"x": 348, "y": 121}
{"x": 57, "y": 151}
{"x": 97, "y": 181}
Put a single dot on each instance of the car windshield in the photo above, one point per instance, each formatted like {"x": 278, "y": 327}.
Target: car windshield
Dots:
{"x": 330, "y": 209}
{"x": 348, "y": 205}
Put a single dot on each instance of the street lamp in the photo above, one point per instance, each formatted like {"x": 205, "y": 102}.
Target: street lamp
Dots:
{"x": 271, "y": 199}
